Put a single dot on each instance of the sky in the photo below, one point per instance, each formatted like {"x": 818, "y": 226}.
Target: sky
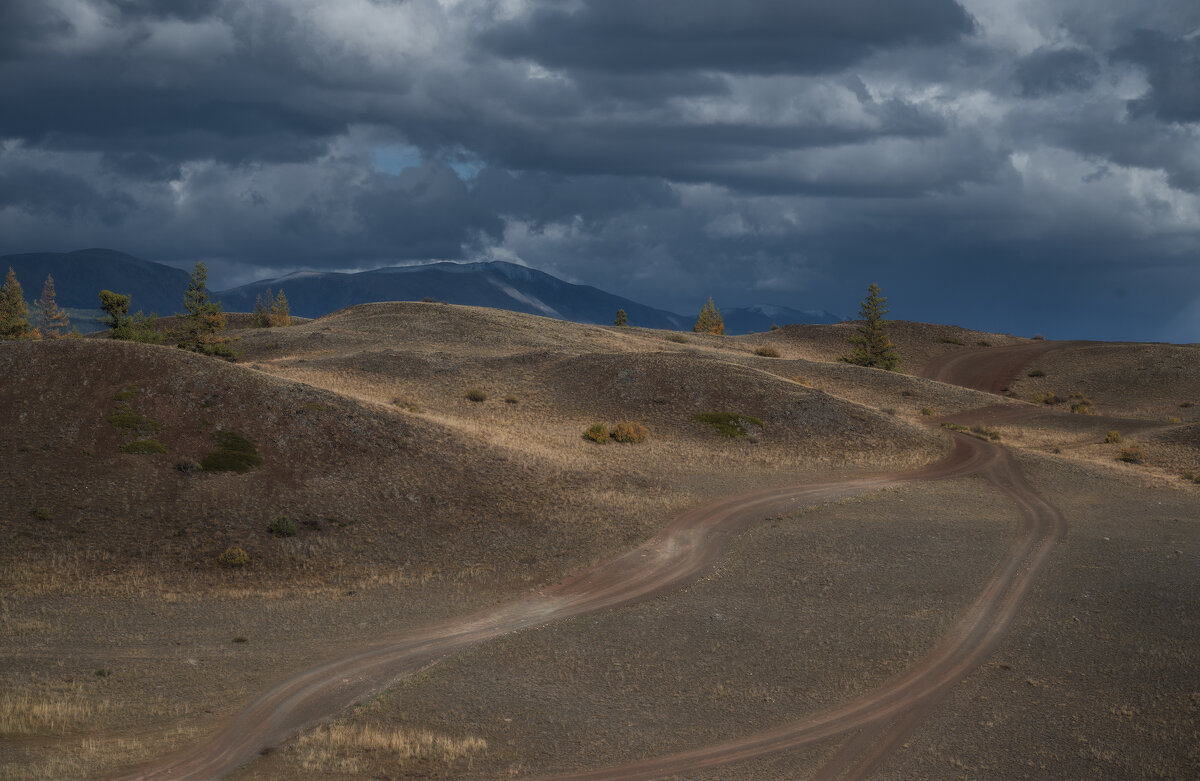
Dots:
{"x": 1009, "y": 165}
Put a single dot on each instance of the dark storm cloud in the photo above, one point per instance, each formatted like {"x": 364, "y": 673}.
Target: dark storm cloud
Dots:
{"x": 1172, "y": 66}
{"x": 54, "y": 194}
{"x": 759, "y": 36}
{"x": 1049, "y": 71}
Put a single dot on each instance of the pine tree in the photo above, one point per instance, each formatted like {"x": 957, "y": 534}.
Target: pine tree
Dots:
{"x": 281, "y": 314}
{"x": 261, "y": 317}
{"x": 14, "y": 312}
{"x": 53, "y": 321}
{"x": 622, "y": 318}
{"x": 203, "y": 318}
{"x": 872, "y": 345}
{"x": 709, "y": 321}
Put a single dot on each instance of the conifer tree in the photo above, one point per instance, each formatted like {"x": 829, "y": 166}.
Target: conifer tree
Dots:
{"x": 709, "y": 321}
{"x": 262, "y": 317}
{"x": 52, "y": 320}
{"x": 203, "y": 318}
{"x": 14, "y": 312}
{"x": 622, "y": 318}
{"x": 872, "y": 345}
{"x": 281, "y": 314}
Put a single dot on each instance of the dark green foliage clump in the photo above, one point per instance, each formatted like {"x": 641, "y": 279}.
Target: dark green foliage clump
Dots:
{"x": 1037, "y": 373}
{"x": 729, "y": 424}
{"x": 234, "y": 453}
{"x": 476, "y": 395}
{"x": 130, "y": 421}
{"x": 40, "y": 513}
{"x": 143, "y": 446}
{"x": 282, "y": 526}
{"x": 950, "y": 340}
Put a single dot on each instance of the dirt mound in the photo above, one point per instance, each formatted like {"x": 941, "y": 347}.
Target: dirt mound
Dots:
{"x": 916, "y": 343}
{"x": 101, "y": 471}
{"x": 1138, "y": 380}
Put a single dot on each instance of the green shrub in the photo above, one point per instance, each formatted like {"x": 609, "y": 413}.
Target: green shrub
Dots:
{"x": 511, "y": 399}
{"x": 1037, "y": 373}
{"x": 1132, "y": 455}
{"x": 188, "y": 465}
{"x": 597, "y": 432}
{"x": 128, "y": 420}
{"x": 1187, "y": 404}
{"x": 234, "y": 453}
{"x": 282, "y": 526}
{"x": 730, "y": 424}
{"x": 1038, "y": 338}
{"x": 1079, "y": 408}
{"x": 766, "y": 351}
{"x": 127, "y": 393}
{"x": 950, "y": 340}
{"x": 233, "y": 557}
{"x": 476, "y": 395}
{"x": 1112, "y": 438}
{"x": 625, "y": 431}
{"x": 677, "y": 338}
{"x": 1048, "y": 398}
{"x": 40, "y": 513}
{"x": 982, "y": 343}
{"x": 927, "y": 411}
{"x": 143, "y": 446}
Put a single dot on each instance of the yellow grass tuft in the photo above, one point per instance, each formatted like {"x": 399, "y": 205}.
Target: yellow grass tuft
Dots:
{"x": 46, "y": 711}
{"x": 340, "y": 748}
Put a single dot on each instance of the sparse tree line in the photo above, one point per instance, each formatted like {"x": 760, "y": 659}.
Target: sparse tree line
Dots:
{"x": 198, "y": 328}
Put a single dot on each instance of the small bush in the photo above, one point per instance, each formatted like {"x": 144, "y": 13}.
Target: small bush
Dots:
{"x": 927, "y": 411}
{"x": 408, "y": 405}
{"x": 187, "y": 466}
{"x": 40, "y": 513}
{"x": 143, "y": 446}
{"x": 766, "y": 351}
{"x": 1039, "y": 338}
{"x": 1079, "y": 408}
{"x": 234, "y": 453}
{"x": 233, "y": 557}
{"x": 729, "y": 424}
{"x": 282, "y": 526}
{"x": 597, "y": 432}
{"x": 677, "y": 338}
{"x": 1132, "y": 455}
{"x": 476, "y": 395}
{"x": 1037, "y": 373}
{"x": 982, "y": 343}
{"x": 511, "y": 399}
{"x": 625, "y": 431}
{"x": 888, "y": 410}
{"x": 1174, "y": 420}
{"x": 1048, "y": 398}
{"x": 103, "y": 672}
{"x": 950, "y": 340}
{"x": 240, "y": 639}
{"x": 1112, "y": 438}
{"x": 128, "y": 420}
{"x": 1187, "y": 404}
{"x": 800, "y": 379}
{"x": 312, "y": 524}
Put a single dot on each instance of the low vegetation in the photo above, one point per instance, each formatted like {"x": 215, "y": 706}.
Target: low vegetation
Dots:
{"x": 731, "y": 424}
{"x": 766, "y": 351}
{"x": 1036, "y": 373}
{"x": 597, "y": 432}
{"x": 346, "y": 748}
{"x": 234, "y": 453}
{"x": 233, "y": 557}
{"x": 282, "y": 526}
{"x": 476, "y": 395}
{"x": 982, "y": 432}
{"x": 950, "y": 340}
{"x": 143, "y": 446}
{"x": 1112, "y": 438}
{"x": 629, "y": 433}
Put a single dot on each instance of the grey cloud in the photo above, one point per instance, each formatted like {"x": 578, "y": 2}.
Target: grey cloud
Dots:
{"x": 1050, "y": 71}
{"x": 1173, "y": 69}
{"x": 755, "y": 36}
{"x": 44, "y": 193}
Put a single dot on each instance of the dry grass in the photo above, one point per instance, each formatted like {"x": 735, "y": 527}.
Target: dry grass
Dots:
{"x": 41, "y": 709}
{"x": 350, "y": 748}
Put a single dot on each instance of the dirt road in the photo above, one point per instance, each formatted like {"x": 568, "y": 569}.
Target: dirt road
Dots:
{"x": 683, "y": 552}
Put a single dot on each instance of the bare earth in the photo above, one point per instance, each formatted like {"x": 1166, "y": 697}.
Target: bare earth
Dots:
{"x": 927, "y": 691}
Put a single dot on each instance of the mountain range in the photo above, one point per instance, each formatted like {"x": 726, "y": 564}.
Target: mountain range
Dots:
{"x": 156, "y": 287}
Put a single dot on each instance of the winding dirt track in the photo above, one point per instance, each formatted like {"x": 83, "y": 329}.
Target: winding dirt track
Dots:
{"x": 683, "y": 552}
